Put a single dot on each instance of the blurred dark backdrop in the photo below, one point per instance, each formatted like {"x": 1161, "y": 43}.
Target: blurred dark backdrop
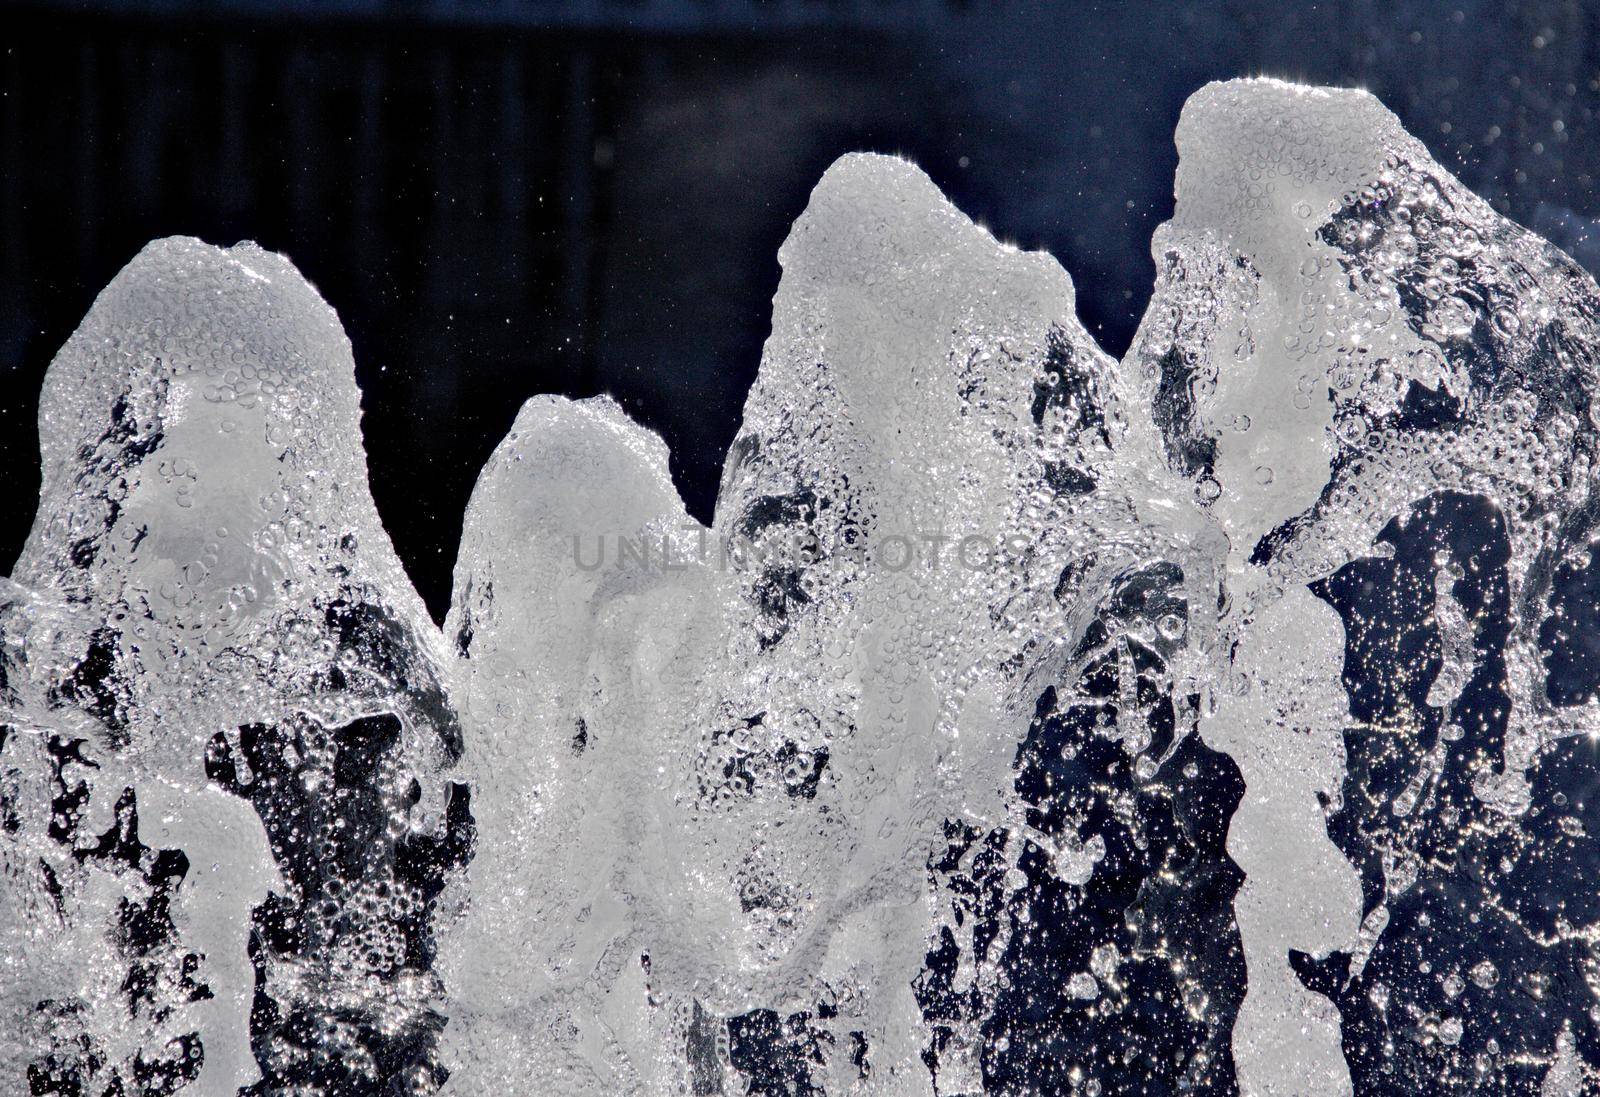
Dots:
{"x": 505, "y": 198}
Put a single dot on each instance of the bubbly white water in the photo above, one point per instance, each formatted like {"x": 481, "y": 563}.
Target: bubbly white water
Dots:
{"x": 1025, "y": 722}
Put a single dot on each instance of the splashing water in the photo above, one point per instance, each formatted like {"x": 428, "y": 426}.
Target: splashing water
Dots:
{"x": 1025, "y": 722}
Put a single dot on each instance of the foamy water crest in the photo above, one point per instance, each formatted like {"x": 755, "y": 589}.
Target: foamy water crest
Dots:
{"x": 1217, "y": 721}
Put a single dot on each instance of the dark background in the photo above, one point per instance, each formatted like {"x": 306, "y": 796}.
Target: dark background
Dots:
{"x": 503, "y": 199}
